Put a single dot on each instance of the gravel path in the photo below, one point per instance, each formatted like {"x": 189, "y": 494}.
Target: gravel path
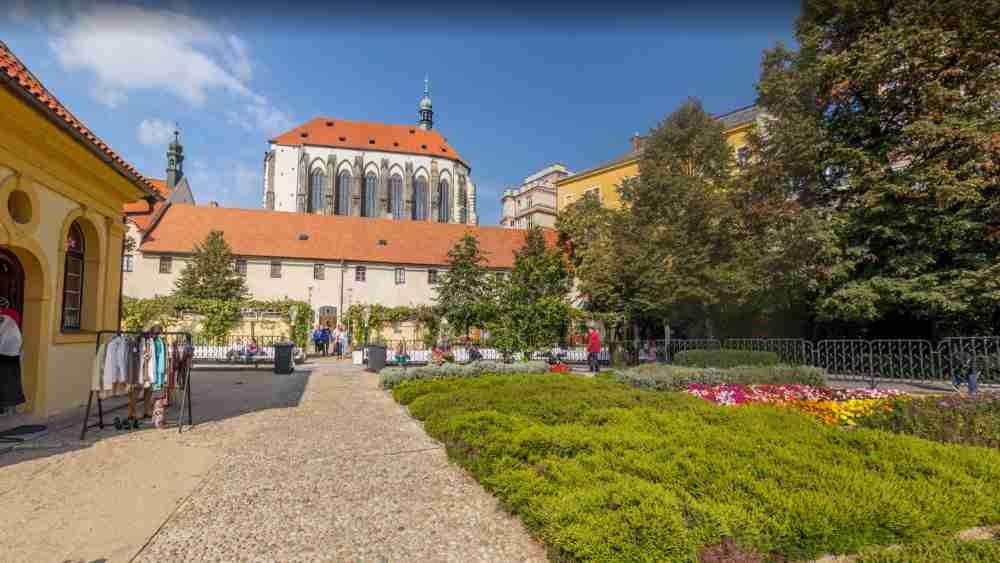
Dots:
{"x": 345, "y": 475}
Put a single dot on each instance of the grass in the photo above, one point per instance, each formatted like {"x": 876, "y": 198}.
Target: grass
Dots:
{"x": 974, "y": 421}
{"x": 600, "y": 471}
{"x": 937, "y": 551}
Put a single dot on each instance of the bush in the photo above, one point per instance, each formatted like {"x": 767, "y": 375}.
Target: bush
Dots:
{"x": 392, "y": 376}
{"x": 673, "y": 378}
{"x": 602, "y": 472}
{"x": 955, "y": 419}
{"x": 724, "y": 358}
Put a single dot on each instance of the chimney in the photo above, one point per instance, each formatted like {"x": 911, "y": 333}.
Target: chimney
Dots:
{"x": 637, "y": 141}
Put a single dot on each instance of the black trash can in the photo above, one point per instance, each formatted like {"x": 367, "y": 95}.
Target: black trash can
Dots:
{"x": 376, "y": 358}
{"x": 283, "y": 358}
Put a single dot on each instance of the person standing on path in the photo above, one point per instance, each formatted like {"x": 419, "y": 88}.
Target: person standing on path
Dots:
{"x": 325, "y": 333}
{"x": 965, "y": 373}
{"x": 317, "y": 338}
{"x": 593, "y": 349}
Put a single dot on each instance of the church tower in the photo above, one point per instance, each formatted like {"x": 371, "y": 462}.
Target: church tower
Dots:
{"x": 175, "y": 161}
{"x": 426, "y": 111}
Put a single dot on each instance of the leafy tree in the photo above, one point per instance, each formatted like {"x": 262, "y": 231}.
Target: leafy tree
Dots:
{"x": 463, "y": 290}
{"x": 887, "y": 118}
{"x": 210, "y": 274}
{"x": 539, "y": 271}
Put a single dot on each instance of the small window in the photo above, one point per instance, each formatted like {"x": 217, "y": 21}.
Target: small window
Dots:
{"x": 319, "y": 271}
{"x": 127, "y": 263}
{"x": 400, "y": 276}
{"x": 359, "y": 273}
{"x": 275, "y": 268}
{"x": 166, "y": 262}
{"x": 240, "y": 265}
{"x": 432, "y": 276}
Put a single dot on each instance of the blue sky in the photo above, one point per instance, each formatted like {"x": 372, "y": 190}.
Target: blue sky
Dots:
{"x": 511, "y": 93}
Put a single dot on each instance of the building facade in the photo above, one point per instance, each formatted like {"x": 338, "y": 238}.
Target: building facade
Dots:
{"x": 533, "y": 203}
{"x": 603, "y": 180}
{"x": 62, "y": 190}
{"x": 331, "y": 166}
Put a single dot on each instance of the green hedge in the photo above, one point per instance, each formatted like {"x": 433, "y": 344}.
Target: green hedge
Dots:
{"x": 392, "y": 376}
{"x": 954, "y": 418}
{"x": 937, "y": 551}
{"x": 661, "y": 377}
{"x": 724, "y": 358}
{"x": 602, "y": 472}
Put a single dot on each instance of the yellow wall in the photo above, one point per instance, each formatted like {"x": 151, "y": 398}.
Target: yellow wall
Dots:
{"x": 607, "y": 179}
{"x": 64, "y": 182}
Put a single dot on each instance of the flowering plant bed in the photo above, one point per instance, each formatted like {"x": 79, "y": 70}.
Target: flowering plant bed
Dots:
{"x": 833, "y": 406}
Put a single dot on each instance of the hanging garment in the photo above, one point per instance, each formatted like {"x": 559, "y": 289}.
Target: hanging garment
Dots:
{"x": 148, "y": 363}
{"x": 10, "y": 337}
{"x": 134, "y": 361}
{"x": 11, "y": 391}
{"x": 97, "y": 370}
{"x": 115, "y": 362}
{"x": 160, "y": 369}
{"x": 8, "y": 312}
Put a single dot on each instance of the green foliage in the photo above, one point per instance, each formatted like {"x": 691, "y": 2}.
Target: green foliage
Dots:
{"x": 936, "y": 551}
{"x": 392, "y": 376}
{"x": 673, "y": 378}
{"x": 961, "y": 420}
{"x": 724, "y": 358}
{"x": 462, "y": 291}
{"x": 601, "y": 472}
{"x": 141, "y": 314}
{"x": 539, "y": 271}
{"x": 379, "y": 316}
{"x": 209, "y": 274}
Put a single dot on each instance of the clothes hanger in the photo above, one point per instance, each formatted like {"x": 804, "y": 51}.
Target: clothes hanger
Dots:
{"x": 4, "y": 303}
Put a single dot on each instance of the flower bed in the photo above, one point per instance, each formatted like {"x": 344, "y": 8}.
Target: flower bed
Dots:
{"x": 833, "y": 406}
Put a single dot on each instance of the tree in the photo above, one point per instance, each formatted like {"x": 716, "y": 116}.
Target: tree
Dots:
{"x": 462, "y": 291}
{"x": 210, "y": 274}
{"x": 886, "y": 118}
{"x": 539, "y": 271}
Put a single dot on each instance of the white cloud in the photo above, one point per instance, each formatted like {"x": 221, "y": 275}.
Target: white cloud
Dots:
{"x": 155, "y": 132}
{"x": 232, "y": 183}
{"x": 261, "y": 116}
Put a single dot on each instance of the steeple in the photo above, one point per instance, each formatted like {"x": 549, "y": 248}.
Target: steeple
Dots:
{"x": 426, "y": 111}
{"x": 175, "y": 160}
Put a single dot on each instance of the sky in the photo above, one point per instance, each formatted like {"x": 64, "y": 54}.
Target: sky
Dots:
{"x": 513, "y": 91}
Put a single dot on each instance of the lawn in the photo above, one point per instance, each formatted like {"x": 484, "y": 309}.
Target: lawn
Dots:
{"x": 600, "y": 471}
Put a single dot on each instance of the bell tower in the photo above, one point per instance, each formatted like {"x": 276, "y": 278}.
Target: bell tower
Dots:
{"x": 426, "y": 111}
{"x": 175, "y": 161}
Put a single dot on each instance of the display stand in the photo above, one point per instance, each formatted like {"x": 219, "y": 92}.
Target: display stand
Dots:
{"x": 185, "y": 389}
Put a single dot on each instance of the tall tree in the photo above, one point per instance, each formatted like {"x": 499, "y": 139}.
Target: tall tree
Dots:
{"x": 539, "y": 271}
{"x": 463, "y": 291}
{"x": 887, "y": 118}
{"x": 209, "y": 274}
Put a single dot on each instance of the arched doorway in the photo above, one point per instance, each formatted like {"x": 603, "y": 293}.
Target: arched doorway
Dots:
{"x": 11, "y": 282}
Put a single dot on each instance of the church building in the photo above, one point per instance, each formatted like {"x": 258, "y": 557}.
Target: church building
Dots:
{"x": 331, "y": 166}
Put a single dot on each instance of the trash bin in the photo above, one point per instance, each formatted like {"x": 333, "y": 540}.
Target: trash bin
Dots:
{"x": 376, "y": 358}
{"x": 283, "y": 358}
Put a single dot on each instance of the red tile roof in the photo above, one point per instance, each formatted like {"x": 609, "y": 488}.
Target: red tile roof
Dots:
{"x": 277, "y": 234}
{"x": 140, "y": 213}
{"x": 17, "y": 76}
{"x": 369, "y": 135}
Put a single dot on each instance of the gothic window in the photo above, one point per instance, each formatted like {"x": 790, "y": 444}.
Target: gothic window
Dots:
{"x": 315, "y": 201}
{"x": 343, "y": 201}
{"x": 368, "y": 201}
{"x": 444, "y": 201}
{"x": 420, "y": 199}
{"x": 72, "y": 303}
{"x": 396, "y": 196}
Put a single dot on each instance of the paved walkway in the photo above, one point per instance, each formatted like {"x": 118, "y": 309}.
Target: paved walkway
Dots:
{"x": 327, "y": 468}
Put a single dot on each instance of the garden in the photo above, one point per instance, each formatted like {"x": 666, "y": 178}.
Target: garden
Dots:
{"x": 700, "y": 463}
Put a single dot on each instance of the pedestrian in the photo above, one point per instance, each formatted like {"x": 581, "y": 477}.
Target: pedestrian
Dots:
{"x": 965, "y": 373}
{"x": 345, "y": 341}
{"x": 593, "y": 349}
{"x": 317, "y": 337}
{"x": 335, "y": 338}
{"x": 326, "y": 339}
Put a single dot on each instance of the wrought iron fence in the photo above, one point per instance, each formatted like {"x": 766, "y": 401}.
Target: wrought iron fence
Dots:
{"x": 235, "y": 348}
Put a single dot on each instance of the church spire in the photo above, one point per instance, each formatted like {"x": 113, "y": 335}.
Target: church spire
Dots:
{"x": 175, "y": 160}
{"x": 426, "y": 111}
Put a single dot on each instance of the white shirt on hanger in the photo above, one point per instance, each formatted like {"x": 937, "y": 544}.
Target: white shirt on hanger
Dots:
{"x": 10, "y": 337}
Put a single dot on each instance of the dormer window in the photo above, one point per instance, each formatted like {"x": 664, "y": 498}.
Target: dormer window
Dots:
{"x": 342, "y": 139}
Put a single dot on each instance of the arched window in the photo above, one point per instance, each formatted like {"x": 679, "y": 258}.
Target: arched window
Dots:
{"x": 396, "y": 196}
{"x": 368, "y": 201}
{"x": 420, "y": 199}
{"x": 315, "y": 201}
{"x": 343, "y": 201}
{"x": 72, "y": 303}
{"x": 444, "y": 201}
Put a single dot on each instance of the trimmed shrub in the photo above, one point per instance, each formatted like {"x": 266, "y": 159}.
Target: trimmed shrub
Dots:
{"x": 974, "y": 421}
{"x": 392, "y": 376}
{"x": 661, "y": 377}
{"x": 937, "y": 551}
{"x": 724, "y": 358}
{"x": 602, "y": 472}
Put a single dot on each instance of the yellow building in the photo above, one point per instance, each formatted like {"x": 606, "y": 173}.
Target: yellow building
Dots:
{"x": 61, "y": 229}
{"x": 602, "y": 181}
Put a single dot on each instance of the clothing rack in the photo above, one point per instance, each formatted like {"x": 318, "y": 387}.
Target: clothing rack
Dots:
{"x": 186, "y": 379}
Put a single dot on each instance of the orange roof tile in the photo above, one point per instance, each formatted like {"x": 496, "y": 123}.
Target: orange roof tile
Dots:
{"x": 141, "y": 206}
{"x": 276, "y": 234}
{"x": 369, "y": 135}
{"x": 18, "y": 76}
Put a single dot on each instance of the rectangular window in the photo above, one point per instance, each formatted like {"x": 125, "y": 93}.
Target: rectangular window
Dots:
{"x": 72, "y": 293}
{"x": 165, "y": 263}
{"x": 319, "y": 271}
{"x": 432, "y": 276}
{"x": 127, "y": 263}
{"x": 400, "y": 276}
{"x": 397, "y": 328}
{"x": 240, "y": 265}
{"x": 359, "y": 273}
{"x": 275, "y": 268}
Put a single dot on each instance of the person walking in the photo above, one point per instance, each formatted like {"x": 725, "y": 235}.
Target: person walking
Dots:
{"x": 317, "y": 338}
{"x": 325, "y": 333}
{"x": 593, "y": 349}
{"x": 965, "y": 373}
{"x": 335, "y": 338}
